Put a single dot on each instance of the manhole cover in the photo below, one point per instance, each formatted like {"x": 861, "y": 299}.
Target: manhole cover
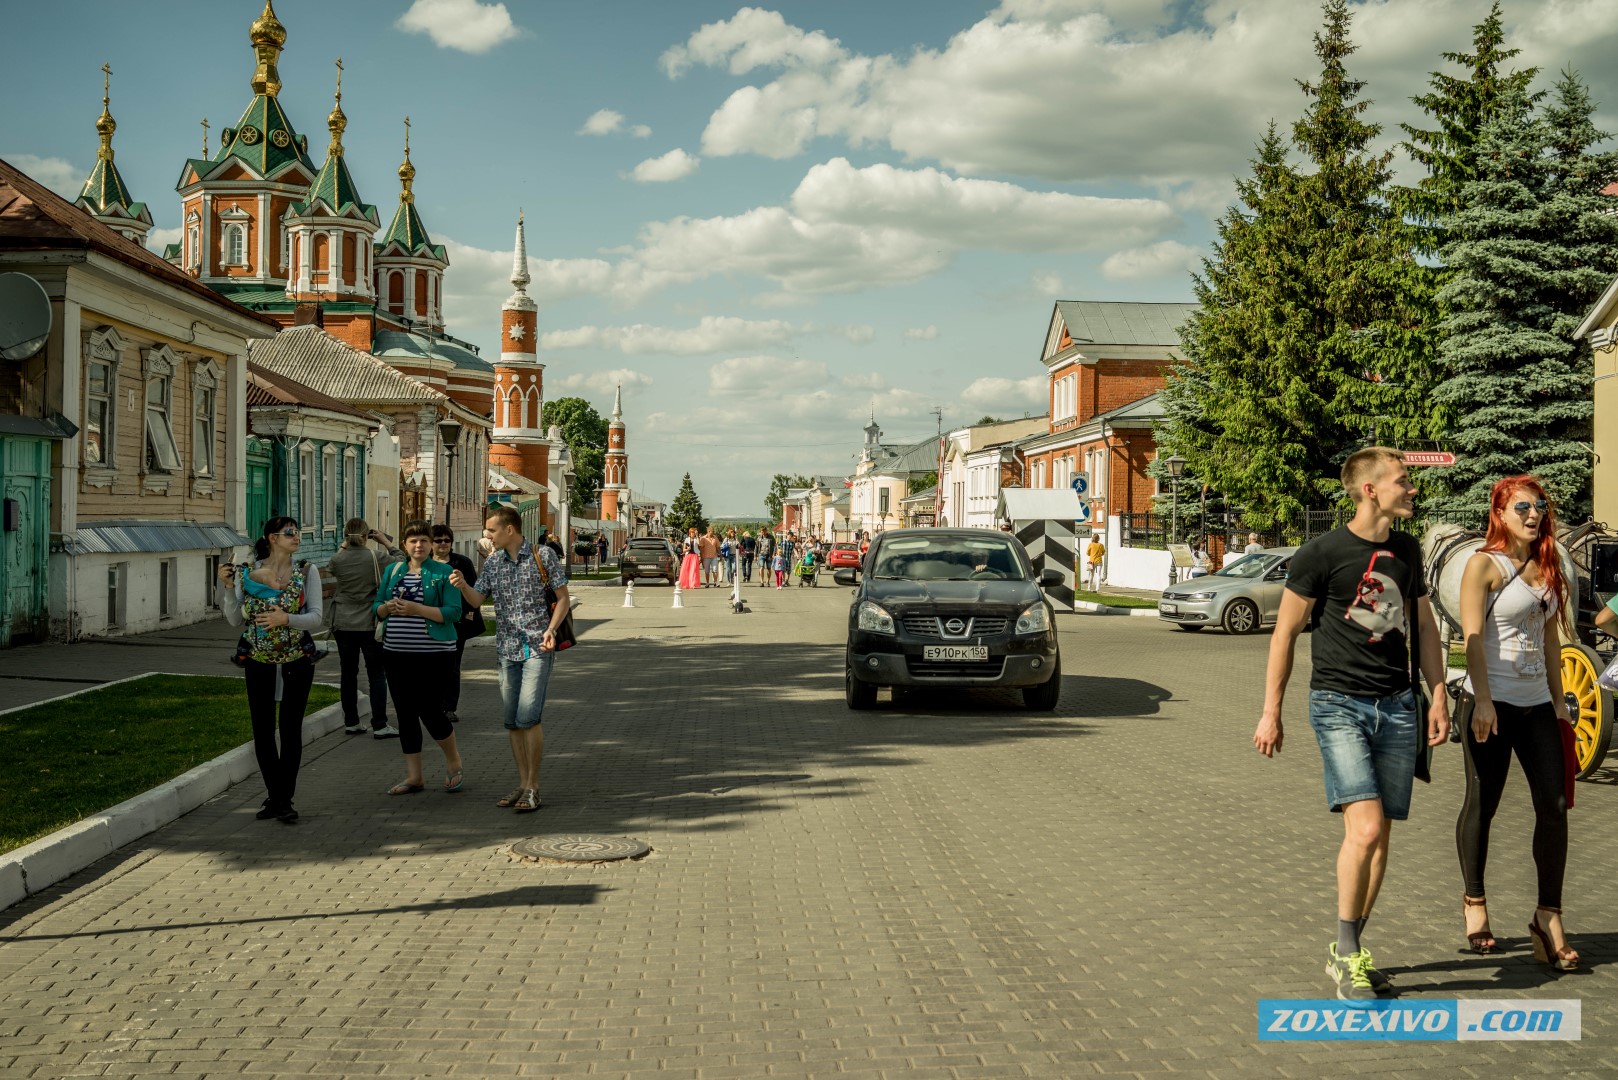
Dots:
{"x": 580, "y": 848}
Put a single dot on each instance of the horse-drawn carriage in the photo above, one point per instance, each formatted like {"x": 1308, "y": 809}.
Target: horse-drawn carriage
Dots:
{"x": 1590, "y": 563}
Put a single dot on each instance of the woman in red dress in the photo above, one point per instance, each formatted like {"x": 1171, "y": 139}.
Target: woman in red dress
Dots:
{"x": 691, "y": 564}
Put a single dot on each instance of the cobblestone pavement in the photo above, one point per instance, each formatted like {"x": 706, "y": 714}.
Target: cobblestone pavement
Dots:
{"x": 947, "y": 887}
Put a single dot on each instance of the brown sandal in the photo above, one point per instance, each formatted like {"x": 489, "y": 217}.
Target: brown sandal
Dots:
{"x": 1563, "y": 959}
{"x": 1482, "y": 941}
{"x": 509, "y": 799}
{"x": 528, "y": 802}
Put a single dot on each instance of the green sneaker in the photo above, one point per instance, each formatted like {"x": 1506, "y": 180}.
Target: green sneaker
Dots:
{"x": 1349, "y": 973}
{"x": 1379, "y": 981}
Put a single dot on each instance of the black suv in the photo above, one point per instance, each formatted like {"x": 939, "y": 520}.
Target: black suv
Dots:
{"x": 951, "y": 607}
{"x": 648, "y": 556}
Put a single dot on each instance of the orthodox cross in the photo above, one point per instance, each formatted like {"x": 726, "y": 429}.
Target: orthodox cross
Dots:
{"x": 106, "y": 82}
{"x": 407, "y": 136}
{"x": 205, "y": 138}
{"x": 339, "y": 80}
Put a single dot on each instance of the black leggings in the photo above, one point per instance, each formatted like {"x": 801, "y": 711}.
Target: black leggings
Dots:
{"x": 278, "y": 766}
{"x": 1532, "y": 732}
{"x": 416, "y": 683}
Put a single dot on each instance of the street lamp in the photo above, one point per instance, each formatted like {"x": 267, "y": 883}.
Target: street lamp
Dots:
{"x": 1175, "y": 466}
{"x": 449, "y": 432}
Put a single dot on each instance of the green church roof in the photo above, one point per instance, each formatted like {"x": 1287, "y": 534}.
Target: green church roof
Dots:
{"x": 105, "y": 189}
{"x": 408, "y": 232}
{"x": 335, "y": 187}
{"x": 264, "y": 139}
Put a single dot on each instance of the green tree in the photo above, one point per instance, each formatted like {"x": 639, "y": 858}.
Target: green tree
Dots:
{"x": 585, "y": 432}
{"x": 685, "y": 512}
{"x": 921, "y": 483}
{"x": 780, "y": 484}
{"x": 987, "y": 419}
{"x": 1530, "y": 250}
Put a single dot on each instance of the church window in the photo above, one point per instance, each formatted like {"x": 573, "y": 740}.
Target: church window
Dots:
{"x": 193, "y": 249}
{"x": 235, "y": 245}
{"x": 286, "y": 247}
{"x": 161, "y": 454}
{"x": 396, "y": 293}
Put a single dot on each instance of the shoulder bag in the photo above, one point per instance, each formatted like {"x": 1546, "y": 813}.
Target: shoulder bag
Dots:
{"x": 564, "y": 630}
{"x": 381, "y": 630}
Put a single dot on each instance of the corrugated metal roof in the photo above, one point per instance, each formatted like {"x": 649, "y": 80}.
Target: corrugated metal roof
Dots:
{"x": 518, "y": 481}
{"x": 419, "y": 346}
{"x": 116, "y": 537}
{"x": 1092, "y": 323}
{"x": 266, "y": 387}
{"x": 309, "y": 355}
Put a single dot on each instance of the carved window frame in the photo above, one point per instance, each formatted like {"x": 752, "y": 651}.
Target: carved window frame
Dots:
{"x": 103, "y": 347}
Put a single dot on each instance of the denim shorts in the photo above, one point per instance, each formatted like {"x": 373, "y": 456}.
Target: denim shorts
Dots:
{"x": 1368, "y": 747}
{"x": 522, "y": 689}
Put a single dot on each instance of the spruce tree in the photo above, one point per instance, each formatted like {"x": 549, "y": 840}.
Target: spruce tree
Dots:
{"x": 1530, "y": 251}
{"x": 685, "y": 512}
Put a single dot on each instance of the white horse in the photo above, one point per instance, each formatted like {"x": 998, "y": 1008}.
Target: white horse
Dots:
{"x": 1445, "y": 551}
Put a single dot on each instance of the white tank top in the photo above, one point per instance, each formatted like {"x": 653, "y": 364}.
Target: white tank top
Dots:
{"x": 1514, "y": 639}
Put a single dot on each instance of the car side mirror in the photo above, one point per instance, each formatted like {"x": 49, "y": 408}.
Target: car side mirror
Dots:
{"x": 845, "y": 576}
{"x": 1049, "y": 578}
{"x": 1276, "y": 575}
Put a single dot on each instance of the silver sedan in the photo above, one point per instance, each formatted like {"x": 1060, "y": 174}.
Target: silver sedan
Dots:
{"x": 1242, "y": 597}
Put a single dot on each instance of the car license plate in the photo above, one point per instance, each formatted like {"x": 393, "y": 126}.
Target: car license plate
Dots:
{"x": 954, "y": 652}
{"x": 1169, "y": 609}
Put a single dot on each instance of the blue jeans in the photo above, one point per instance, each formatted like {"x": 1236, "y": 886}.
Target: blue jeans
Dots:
{"x": 1368, "y": 746}
{"x": 522, "y": 688}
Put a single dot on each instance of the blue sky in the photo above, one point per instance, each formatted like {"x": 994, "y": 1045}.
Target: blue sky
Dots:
{"x": 764, "y": 222}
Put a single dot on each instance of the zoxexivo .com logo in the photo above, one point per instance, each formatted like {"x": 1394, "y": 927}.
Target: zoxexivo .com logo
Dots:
{"x": 1418, "y": 1021}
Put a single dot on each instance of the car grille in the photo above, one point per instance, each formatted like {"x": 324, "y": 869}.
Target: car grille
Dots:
{"x": 955, "y": 669}
{"x": 932, "y": 625}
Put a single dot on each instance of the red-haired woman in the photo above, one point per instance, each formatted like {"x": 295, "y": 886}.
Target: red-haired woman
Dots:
{"x": 1513, "y": 601}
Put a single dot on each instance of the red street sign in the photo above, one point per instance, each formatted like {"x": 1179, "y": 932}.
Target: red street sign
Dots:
{"x": 1428, "y": 457}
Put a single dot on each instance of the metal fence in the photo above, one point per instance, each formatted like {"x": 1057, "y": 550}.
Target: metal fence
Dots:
{"x": 1144, "y": 531}
{"x": 1219, "y": 530}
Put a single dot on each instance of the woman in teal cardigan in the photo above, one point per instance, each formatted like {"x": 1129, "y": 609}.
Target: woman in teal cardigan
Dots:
{"x": 418, "y": 608}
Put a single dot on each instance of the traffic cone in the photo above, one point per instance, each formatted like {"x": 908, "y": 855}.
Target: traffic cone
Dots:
{"x": 677, "y": 602}
{"x": 629, "y": 593}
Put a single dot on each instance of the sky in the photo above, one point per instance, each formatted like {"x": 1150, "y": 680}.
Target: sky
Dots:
{"x": 767, "y": 224}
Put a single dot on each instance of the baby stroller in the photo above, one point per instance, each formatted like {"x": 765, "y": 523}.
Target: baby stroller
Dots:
{"x": 806, "y": 570}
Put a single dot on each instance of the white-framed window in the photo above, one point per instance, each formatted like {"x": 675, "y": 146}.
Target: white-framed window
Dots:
{"x": 306, "y": 485}
{"x": 883, "y": 494}
{"x": 235, "y": 245}
{"x": 158, "y": 369}
{"x": 101, "y": 398}
{"x": 192, "y": 256}
{"x": 328, "y": 489}
{"x": 1065, "y": 398}
{"x": 204, "y": 399}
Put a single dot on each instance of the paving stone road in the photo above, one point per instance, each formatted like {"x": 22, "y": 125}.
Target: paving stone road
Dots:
{"x": 948, "y": 887}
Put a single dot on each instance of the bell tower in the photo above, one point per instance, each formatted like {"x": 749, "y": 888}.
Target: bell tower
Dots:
{"x": 615, "y": 469}
{"x": 519, "y": 379}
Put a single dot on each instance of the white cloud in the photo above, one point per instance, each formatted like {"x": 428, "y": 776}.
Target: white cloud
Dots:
{"x": 58, "y": 174}
{"x": 602, "y": 122}
{"x": 674, "y": 165}
{"x": 1048, "y": 284}
{"x": 922, "y": 333}
{"x": 859, "y": 334}
{"x": 602, "y": 382}
{"x": 466, "y": 25}
{"x": 158, "y": 239}
{"x": 751, "y": 38}
{"x": 714, "y": 333}
{"x": 640, "y": 131}
{"x": 755, "y": 374}
{"x": 1168, "y": 258}
{"x": 994, "y": 394}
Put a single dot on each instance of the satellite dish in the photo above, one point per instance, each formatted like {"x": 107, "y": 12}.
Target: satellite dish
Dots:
{"x": 25, "y": 316}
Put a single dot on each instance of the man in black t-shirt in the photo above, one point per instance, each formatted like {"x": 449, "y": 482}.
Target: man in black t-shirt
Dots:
{"x": 1356, "y": 588}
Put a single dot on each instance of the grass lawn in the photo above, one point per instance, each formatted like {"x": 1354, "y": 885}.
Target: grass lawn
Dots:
{"x": 74, "y": 758}
{"x": 1114, "y": 601}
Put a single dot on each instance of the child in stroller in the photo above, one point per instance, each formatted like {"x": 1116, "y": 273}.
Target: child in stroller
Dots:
{"x": 806, "y": 569}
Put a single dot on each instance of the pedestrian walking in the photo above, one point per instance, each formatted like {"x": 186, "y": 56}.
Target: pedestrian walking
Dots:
{"x": 766, "y": 549}
{"x": 749, "y": 553}
{"x": 709, "y": 547}
{"x": 780, "y": 565}
{"x": 516, "y": 578}
{"x": 357, "y": 570}
{"x": 1513, "y": 603}
{"x": 470, "y": 624}
{"x": 279, "y": 602}
{"x": 691, "y": 561}
{"x": 1253, "y": 546}
{"x": 601, "y": 550}
{"x": 732, "y": 554}
{"x": 1361, "y": 590}
{"x": 419, "y": 608}
{"x": 788, "y": 545}
{"x": 1094, "y": 553}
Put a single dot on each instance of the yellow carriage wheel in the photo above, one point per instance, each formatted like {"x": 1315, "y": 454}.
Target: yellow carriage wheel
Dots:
{"x": 1592, "y": 715}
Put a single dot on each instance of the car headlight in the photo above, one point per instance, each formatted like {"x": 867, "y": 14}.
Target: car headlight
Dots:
{"x": 875, "y": 618}
{"x": 1198, "y": 596}
{"x": 1034, "y": 620}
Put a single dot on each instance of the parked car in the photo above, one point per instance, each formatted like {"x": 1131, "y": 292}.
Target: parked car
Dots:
{"x": 648, "y": 556}
{"x": 843, "y": 557}
{"x": 1242, "y": 597}
{"x": 950, "y": 608}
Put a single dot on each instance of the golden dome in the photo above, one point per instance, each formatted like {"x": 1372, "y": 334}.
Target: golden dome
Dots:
{"x": 267, "y": 29}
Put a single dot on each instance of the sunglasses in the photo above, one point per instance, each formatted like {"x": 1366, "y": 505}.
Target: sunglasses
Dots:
{"x": 442, "y": 540}
{"x": 290, "y": 534}
{"x": 1522, "y": 508}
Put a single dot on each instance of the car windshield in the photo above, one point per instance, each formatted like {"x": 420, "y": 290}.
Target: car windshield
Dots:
{"x": 951, "y": 558}
{"x": 1248, "y": 566}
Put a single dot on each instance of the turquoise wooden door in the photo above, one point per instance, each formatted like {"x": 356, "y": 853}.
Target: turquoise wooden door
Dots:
{"x": 25, "y": 484}
{"x": 258, "y": 486}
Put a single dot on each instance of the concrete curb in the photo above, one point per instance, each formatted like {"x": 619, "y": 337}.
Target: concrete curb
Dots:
{"x": 34, "y": 867}
{"x": 1084, "y": 607}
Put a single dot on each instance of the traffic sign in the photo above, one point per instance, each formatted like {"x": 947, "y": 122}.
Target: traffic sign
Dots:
{"x": 1084, "y": 513}
{"x": 1080, "y": 484}
{"x": 1428, "y": 457}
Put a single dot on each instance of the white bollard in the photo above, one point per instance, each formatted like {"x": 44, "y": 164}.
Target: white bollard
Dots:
{"x": 629, "y": 593}
{"x": 677, "y": 602}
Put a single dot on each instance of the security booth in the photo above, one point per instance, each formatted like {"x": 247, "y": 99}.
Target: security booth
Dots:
{"x": 1046, "y": 521}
